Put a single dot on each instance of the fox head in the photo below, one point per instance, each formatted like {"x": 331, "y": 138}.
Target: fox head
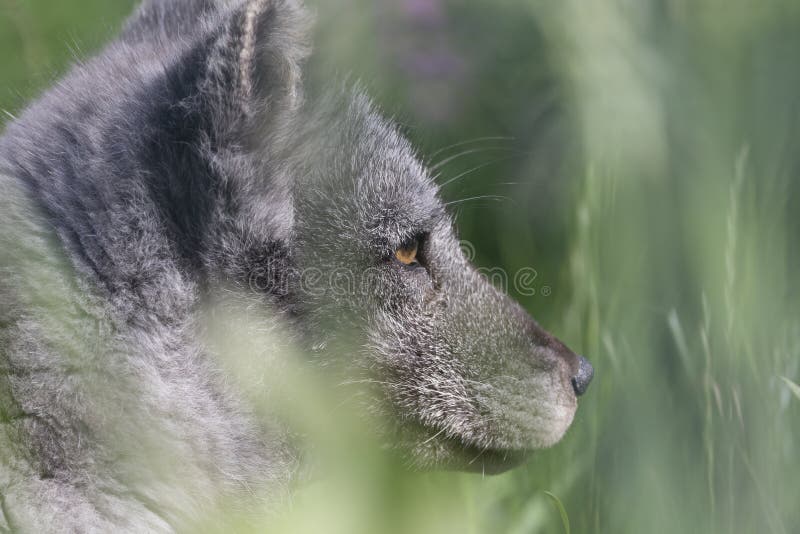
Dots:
{"x": 465, "y": 376}
{"x": 325, "y": 205}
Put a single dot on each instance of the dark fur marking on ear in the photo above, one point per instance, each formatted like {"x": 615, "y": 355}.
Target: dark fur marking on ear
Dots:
{"x": 257, "y": 59}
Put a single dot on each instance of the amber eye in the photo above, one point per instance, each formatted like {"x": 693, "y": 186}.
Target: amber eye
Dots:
{"x": 407, "y": 255}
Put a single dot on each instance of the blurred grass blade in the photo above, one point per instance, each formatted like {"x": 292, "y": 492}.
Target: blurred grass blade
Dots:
{"x": 561, "y": 510}
{"x": 675, "y": 327}
{"x": 794, "y": 388}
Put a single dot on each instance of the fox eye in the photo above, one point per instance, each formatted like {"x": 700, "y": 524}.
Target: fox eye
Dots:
{"x": 407, "y": 254}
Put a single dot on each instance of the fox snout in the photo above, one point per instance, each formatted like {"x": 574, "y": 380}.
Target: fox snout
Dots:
{"x": 581, "y": 379}
{"x": 579, "y": 371}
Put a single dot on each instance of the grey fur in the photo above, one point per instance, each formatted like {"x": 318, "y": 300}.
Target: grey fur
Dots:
{"x": 181, "y": 164}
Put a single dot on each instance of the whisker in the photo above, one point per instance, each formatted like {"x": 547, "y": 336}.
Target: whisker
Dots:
{"x": 469, "y": 142}
{"x": 463, "y": 153}
{"x": 433, "y": 437}
{"x": 479, "y": 455}
{"x": 481, "y": 197}
{"x": 473, "y": 169}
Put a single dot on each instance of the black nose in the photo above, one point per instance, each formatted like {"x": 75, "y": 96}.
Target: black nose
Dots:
{"x": 580, "y": 382}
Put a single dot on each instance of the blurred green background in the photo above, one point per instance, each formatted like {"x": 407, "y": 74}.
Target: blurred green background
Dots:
{"x": 642, "y": 156}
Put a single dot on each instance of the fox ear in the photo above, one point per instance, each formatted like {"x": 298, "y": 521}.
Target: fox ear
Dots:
{"x": 254, "y": 60}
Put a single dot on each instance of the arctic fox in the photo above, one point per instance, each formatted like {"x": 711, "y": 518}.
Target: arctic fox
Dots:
{"x": 184, "y": 163}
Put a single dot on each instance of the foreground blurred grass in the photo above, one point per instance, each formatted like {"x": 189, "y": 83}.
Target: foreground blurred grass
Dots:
{"x": 654, "y": 171}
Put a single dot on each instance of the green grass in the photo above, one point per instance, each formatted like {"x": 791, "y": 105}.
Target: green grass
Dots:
{"x": 794, "y": 388}
{"x": 561, "y": 511}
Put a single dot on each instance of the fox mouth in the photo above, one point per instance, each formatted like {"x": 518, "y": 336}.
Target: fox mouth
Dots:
{"x": 486, "y": 460}
{"x": 457, "y": 454}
